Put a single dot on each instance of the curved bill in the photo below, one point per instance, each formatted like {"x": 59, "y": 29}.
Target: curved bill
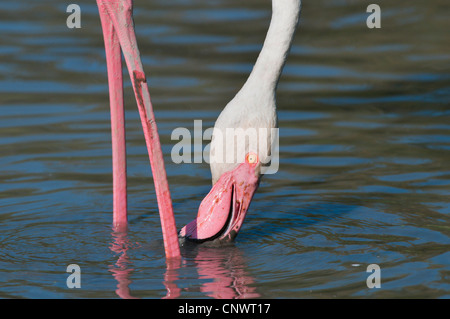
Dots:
{"x": 222, "y": 212}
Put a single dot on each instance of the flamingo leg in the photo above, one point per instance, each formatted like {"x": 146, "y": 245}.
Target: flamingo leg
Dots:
{"x": 120, "y": 15}
{"x": 115, "y": 81}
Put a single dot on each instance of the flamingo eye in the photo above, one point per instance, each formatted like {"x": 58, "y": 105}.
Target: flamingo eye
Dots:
{"x": 251, "y": 158}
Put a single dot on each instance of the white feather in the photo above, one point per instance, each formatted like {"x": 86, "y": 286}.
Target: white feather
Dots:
{"x": 254, "y": 106}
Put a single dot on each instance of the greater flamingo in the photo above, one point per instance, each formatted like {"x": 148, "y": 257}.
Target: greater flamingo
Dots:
{"x": 223, "y": 210}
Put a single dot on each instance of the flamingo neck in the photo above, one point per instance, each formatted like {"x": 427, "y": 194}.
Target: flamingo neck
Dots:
{"x": 269, "y": 65}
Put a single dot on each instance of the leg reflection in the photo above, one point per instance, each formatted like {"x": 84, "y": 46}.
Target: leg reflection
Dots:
{"x": 170, "y": 278}
{"x": 121, "y": 270}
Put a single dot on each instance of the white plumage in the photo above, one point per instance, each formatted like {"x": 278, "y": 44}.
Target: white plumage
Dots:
{"x": 253, "y": 109}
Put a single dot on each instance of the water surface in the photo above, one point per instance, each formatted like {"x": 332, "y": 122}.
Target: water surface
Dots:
{"x": 364, "y": 173}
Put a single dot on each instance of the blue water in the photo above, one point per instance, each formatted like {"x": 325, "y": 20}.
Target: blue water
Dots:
{"x": 364, "y": 173}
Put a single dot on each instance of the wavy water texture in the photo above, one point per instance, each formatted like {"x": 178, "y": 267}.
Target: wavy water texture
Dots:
{"x": 364, "y": 173}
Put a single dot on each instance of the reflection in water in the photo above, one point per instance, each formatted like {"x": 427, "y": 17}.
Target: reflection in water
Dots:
{"x": 121, "y": 271}
{"x": 222, "y": 269}
{"x": 226, "y": 267}
{"x": 171, "y": 275}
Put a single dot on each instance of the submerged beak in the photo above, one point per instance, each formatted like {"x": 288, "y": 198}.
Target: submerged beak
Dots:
{"x": 222, "y": 212}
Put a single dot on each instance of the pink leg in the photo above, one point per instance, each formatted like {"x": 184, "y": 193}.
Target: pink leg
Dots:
{"x": 121, "y": 17}
{"x": 115, "y": 80}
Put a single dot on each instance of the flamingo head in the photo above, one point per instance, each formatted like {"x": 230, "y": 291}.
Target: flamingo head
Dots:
{"x": 222, "y": 212}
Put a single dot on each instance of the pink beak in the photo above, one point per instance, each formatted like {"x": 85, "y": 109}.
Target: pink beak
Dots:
{"x": 222, "y": 212}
